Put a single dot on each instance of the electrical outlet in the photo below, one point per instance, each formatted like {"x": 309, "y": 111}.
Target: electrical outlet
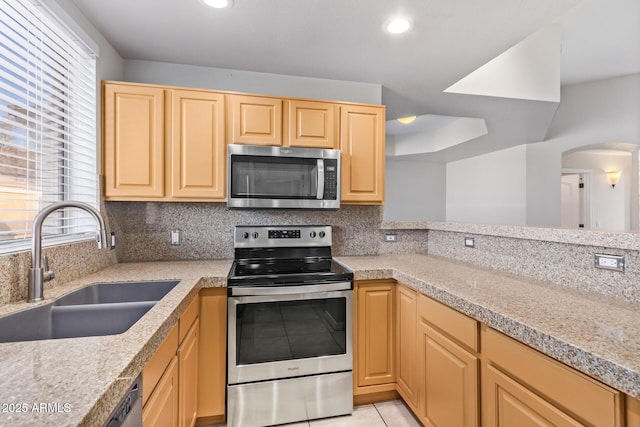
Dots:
{"x": 609, "y": 262}
{"x": 176, "y": 237}
{"x": 389, "y": 237}
{"x": 470, "y": 242}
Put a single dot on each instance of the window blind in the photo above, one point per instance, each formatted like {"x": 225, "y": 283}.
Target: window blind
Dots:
{"x": 47, "y": 126}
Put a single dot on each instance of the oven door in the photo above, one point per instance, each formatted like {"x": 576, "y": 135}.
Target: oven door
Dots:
{"x": 289, "y": 335}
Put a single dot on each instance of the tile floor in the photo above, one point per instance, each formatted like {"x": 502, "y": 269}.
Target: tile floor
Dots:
{"x": 391, "y": 413}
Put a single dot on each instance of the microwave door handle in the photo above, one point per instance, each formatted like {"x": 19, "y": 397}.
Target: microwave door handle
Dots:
{"x": 320, "y": 192}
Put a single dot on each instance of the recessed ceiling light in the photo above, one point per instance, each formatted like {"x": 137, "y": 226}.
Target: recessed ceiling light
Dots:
{"x": 406, "y": 120}
{"x": 397, "y": 25}
{"x": 218, "y": 4}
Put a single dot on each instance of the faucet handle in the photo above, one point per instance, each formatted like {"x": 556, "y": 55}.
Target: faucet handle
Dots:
{"x": 47, "y": 274}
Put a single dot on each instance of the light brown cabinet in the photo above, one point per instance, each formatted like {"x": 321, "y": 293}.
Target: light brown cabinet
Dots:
{"x": 447, "y": 366}
{"x": 163, "y": 144}
{"x": 254, "y": 120}
{"x": 311, "y": 124}
{"x": 362, "y": 142}
{"x": 198, "y": 152}
{"x": 170, "y": 378}
{"x": 212, "y": 356}
{"x": 134, "y": 134}
{"x": 406, "y": 348}
{"x": 161, "y": 410}
{"x": 374, "y": 338}
{"x": 524, "y": 387}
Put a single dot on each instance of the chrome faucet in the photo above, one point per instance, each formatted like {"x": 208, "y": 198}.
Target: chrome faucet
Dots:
{"x": 37, "y": 274}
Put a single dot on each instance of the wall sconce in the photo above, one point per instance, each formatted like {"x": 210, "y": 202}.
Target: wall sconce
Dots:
{"x": 613, "y": 178}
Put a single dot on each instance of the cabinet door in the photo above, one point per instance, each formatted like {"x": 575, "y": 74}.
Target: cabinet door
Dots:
{"x": 254, "y": 120}
{"x": 375, "y": 334}
{"x": 362, "y": 142}
{"x": 506, "y": 403}
{"x": 311, "y": 124}
{"x": 198, "y": 151}
{"x": 188, "y": 368}
{"x": 212, "y": 355}
{"x": 133, "y": 142}
{"x": 406, "y": 349}
{"x": 448, "y": 389}
{"x": 161, "y": 410}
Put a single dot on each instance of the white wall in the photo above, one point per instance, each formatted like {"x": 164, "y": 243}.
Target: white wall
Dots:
{"x": 252, "y": 82}
{"x": 598, "y": 112}
{"x": 415, "y": 190}
{"x": 610, "y": 207}
{"x": 488, "y": 189}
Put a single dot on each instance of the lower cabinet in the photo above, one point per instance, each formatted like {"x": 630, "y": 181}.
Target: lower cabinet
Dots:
{"x": 161, "y": 409}
{"x": 212, "y": 356}
{"x": 448, "y": 366}
{"x": 524, "y": 387}
{"x": 170, "y": 378}
{"x": 374, "y": 341}
{"x": 406, "y": 345}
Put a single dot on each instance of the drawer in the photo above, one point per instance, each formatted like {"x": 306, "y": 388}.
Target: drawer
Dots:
{"x": 587, "y": 399}
{"x": 458, "y": 326}
{"x": 188, "y": 317}
{"x": 156, "y": 366}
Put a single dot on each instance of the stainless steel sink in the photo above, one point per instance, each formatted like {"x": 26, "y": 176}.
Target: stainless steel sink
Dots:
{"x": 101, "y": 309}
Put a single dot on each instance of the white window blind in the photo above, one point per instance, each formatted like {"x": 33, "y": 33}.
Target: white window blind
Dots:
{"x": 47, "y": 126}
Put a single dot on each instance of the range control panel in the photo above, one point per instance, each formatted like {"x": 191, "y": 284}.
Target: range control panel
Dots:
{"x": 251, "y": 236}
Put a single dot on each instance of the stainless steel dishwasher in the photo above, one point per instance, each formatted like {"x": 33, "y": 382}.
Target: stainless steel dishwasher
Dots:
{"x": 128, "y": 413}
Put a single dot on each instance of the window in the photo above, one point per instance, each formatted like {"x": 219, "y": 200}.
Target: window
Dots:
{"x": 47, "y": 126}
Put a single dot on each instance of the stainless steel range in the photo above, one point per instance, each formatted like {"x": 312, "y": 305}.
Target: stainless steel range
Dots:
{"x": 290, "y": 308}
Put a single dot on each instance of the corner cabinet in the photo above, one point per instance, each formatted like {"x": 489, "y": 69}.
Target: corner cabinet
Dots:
{"x": 362, "y": 141}
{"x": 163, "y": 144}
{"x": 170, "y": 378}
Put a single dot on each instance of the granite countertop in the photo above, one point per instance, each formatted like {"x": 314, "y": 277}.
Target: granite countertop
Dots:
{"x": 595, "y": 335}
{"x": 80, "y": 380}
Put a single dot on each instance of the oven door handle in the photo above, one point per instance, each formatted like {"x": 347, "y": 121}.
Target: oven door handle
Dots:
{"x": 289, "y": 289}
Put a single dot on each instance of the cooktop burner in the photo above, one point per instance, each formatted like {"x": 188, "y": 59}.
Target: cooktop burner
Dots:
{"x": 284, "y": 255}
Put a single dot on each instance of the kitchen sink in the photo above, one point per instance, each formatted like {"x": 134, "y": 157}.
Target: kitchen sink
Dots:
{"x": 106, "y": 293}
{"x": 100, "y": 309}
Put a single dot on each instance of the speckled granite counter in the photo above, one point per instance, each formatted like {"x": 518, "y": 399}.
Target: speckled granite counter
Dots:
{"x": 69, "y": 382}
{"x": 596, "y": 335}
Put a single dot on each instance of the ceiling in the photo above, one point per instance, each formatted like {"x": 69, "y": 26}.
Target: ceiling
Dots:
{"x": 344, "y": 40}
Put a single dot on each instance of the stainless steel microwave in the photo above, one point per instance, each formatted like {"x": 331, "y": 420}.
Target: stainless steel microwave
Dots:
{"x": 283, "y": 177}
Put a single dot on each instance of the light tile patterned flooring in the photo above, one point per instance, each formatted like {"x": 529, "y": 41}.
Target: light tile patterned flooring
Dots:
{"x": 391, "y": 413}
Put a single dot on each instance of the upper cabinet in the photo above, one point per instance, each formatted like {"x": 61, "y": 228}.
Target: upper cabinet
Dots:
{"x": 311, "y": 124}
{"x": 133, "y": 141}
{"x": 163, "y": 143}
{"x": 254, "y": 120}
{"x": 169, "y": 144}
{"x": 362, "y": 142}
{"x": 198, "y": 151}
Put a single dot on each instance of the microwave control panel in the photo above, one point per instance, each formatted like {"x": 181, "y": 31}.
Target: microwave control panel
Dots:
{"x": 330, "y": 179}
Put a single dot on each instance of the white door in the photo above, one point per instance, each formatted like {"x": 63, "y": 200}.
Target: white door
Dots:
{"x": 570, "y": 197}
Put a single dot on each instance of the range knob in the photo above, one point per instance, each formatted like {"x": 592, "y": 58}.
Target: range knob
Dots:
{"x": 322, "y": 234}
{"x": 256, "y": 235}
{"x": 245, "y": 235}
{"x": 312, "y": 234}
